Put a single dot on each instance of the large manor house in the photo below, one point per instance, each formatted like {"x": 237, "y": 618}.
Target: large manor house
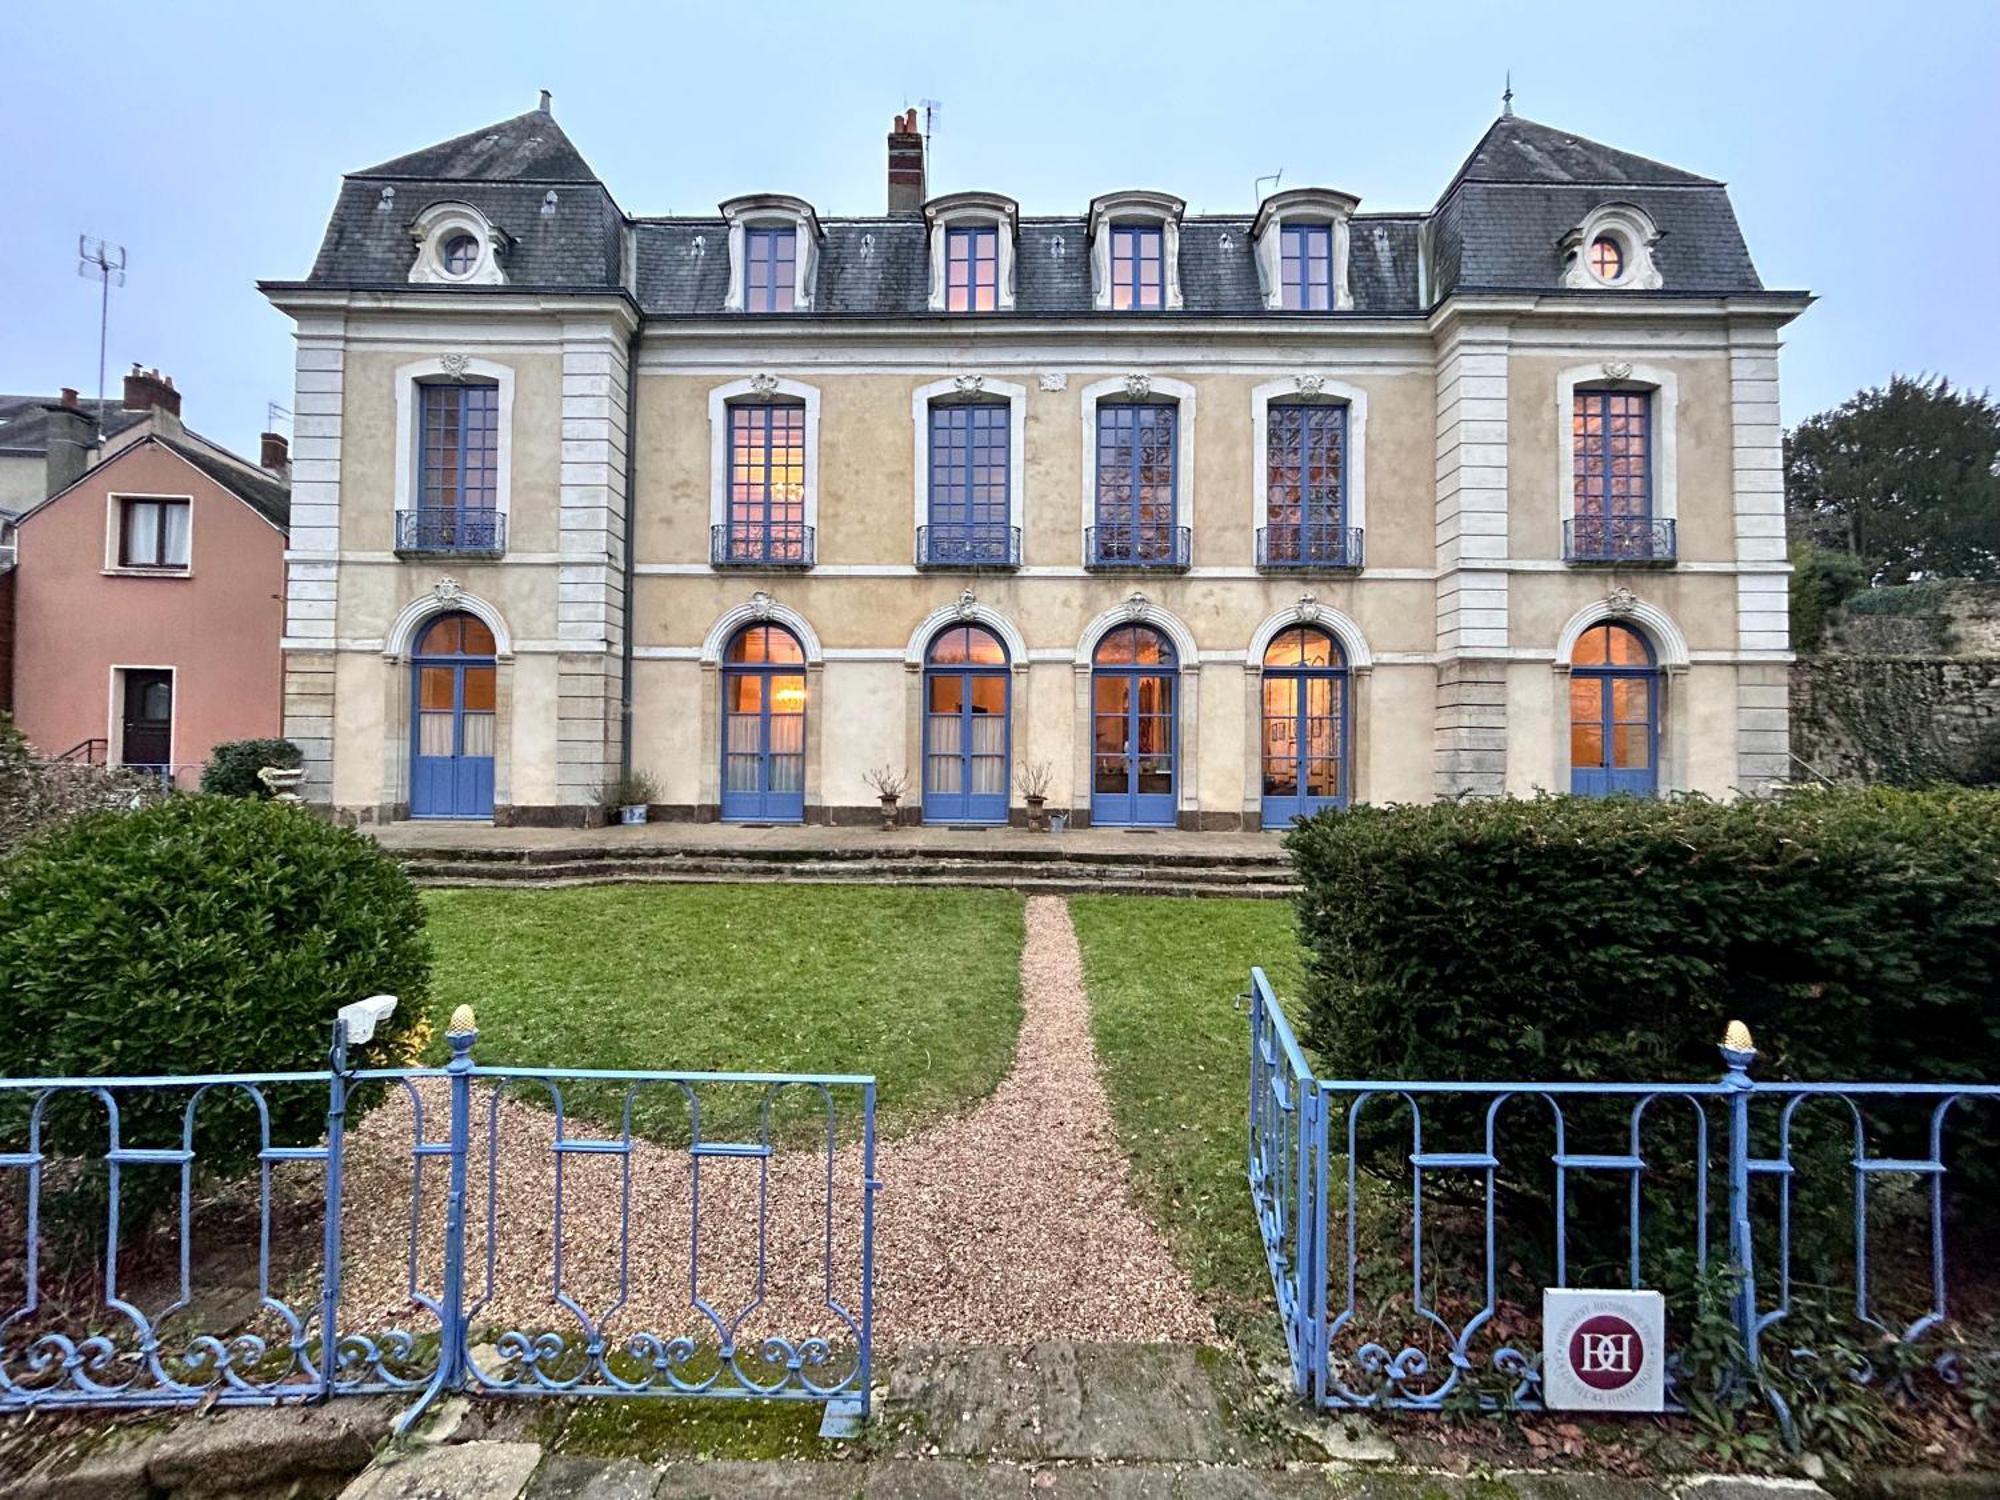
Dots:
{"x": 1200, "y": 520}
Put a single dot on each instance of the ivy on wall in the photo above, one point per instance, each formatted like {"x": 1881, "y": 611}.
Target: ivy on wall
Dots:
{"x": 1898, "y": 720}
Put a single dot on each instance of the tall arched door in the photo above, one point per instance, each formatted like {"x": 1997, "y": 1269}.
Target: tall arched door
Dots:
{"x": 966, "y": 727}
{"x": 1614, "y": 714}
{"x": 1306, "y": 726}
{"x": 764, "y": 727}
{"x": 452, "y": 719}
{"x": 1134, "y": 729}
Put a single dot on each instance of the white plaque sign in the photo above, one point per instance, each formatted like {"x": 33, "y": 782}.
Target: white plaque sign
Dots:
{"x": 1603, "y": 1351}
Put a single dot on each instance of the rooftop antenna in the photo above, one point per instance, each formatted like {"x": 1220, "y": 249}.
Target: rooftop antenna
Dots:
{"x": 274, "y": 414}
{"x": 1507, "y": 98}
{"x": 106, "y": 262}
{"x": 933, "y": 112}
{"x": 1257, "y": 187}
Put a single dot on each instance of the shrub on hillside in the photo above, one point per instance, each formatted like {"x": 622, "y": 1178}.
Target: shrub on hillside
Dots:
{"x": 232, "y": 767}
{"x": 199, "y": 935}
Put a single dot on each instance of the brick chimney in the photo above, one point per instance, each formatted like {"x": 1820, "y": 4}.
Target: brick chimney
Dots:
{"x": 275, "y": 454}
{"x": 71, "y": 435}
{"x": 906, "y": 166}
{"x": 149, "y": 390}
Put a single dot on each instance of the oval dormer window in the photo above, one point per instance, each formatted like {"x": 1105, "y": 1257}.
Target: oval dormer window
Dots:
{"x": 461, "y": 254}
{"x": 1607, "y": 257}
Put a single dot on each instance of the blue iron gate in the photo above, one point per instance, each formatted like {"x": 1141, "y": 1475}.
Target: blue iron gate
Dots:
{"x": 99, "y": 1340}
{"x": 1359, "y": 1338}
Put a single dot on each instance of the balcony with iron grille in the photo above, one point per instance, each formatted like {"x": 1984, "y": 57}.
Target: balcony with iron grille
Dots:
{"x": 1308, "y": 547}
{"x": 1629, "y": 541}
{"x": 1137, "y": 547}
{"x": 969, "y": 546}
{"x": 779, "y": 544}
{"x": 451, "y": 531}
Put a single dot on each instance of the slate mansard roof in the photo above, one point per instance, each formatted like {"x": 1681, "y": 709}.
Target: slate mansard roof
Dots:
{"x": 1497, "y": 227}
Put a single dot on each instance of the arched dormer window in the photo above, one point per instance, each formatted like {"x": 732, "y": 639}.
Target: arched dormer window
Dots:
{"x": 1301, "y": 241}
{"x": 1135, "y": 248}
{"x": 972, "y": 252}
{"x": 1612, "y": 250}
{"x": 773, "y": 253}
{"x": 457, "y": 246}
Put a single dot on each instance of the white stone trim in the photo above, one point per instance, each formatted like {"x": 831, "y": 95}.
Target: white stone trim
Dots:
{"x": 1307, "y": 611}
{"x": 753, "y": 391}
{"x": 1314, "y": 387}
{"x": 1670, "y": 646}
{"x": 1635, "y": 234}
{"x": 964, "y": 611}
{"x": 1157, "y": 387}
{"x": 437, "y": 226}
{"x": 1472, "y": 496}
{"x": 1310, "y": 205}
{"x": 1137, "y": 609}
{"x": 1622, "y": 375}
{"x": 970, "y": 389}
{"x": 443, "y": 369}
{"x": 760, "y": 609}
{"x": 447, "y": 598}
{"x": 1128, "y": 207}
{"x": 772, "y": 211}
{"x": 966, "y": 211}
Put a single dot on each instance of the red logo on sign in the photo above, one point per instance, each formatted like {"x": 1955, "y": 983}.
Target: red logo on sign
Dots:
{"x": 1605, "y": 1352}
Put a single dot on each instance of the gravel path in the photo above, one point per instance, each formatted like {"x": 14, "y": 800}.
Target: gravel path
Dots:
{"x": 1009, "y": 1224}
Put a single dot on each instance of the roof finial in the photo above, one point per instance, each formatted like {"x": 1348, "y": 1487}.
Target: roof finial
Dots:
{"x": 547, "y": 100}
{"x": 1507, "y": 98}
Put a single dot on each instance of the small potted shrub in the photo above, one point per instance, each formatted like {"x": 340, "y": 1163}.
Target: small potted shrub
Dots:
{"x": 631, "y": 796}
{"x": 1034, "y": 781}
{"x": 889, "y": 787}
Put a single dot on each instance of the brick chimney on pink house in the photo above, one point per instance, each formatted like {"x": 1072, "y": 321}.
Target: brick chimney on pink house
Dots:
{"x": 149, "y": 390}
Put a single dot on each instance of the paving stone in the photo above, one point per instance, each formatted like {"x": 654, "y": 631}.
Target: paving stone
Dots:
{"x": 246, "y": 1447}
{"x": 950, "y": 1479}
{"x": 562, "y": 1477}
{"x": 1743, "y": 1487}
{"x": 109, "y": 1466}
{"x": 467, "y": 1471}
{"x": 743, "y": 1480}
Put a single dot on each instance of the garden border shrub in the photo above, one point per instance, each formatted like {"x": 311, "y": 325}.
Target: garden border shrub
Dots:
{"x": 233, "y": 766}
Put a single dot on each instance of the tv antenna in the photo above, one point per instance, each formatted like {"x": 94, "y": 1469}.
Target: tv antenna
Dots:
{"x": 1257, "y": 187}
{"x": 274, "y": 414}
{"x": 106, "y": 262}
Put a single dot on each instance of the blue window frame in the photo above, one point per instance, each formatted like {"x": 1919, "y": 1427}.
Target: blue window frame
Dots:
{"x": 1614, "y": 714}
{"x": 966, "y": 745}
{"x": 452, "y": 719}
{"x": 1612, "y": 486}
{"x": 969, "y": 521}
{"x": 767, "y": 485}
{"x": 972, "y": 269}
{"x": 1138, "y": 266}
{"x": 1305, "y": 488}
{"x": 764, "y": 727}
{"x": 1306, "y": 725}
{"x": 460, "y": 447}
{"x": 1138, "y": 456}
{"x": 1305, "y": 257}
{"x": 770, "y": 269}
{"x": 1134, "y": 729}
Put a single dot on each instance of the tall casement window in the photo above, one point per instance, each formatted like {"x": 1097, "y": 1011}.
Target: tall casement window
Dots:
{"x": 1305, "y": 504}
{"x": 1614, "y": 713}
{"x": 1138, "y": 266}
{"x": 1306, "y": 726}
{"x": 972, "y": 269}
{"x": 967, "y": 523}
{"x": 1137, "y": 455}
{"x": 452, "y": 720}
{"x": 1611, "y": 433}
{"x": 764, "y": 726}
{"x": 770, "y": 269}
{"x": 1134, "y": 729}
{"x": 1305, "y": 261}
{"x": 766, "y": 525}
{"x": 154, "y": 534}
{"x": 966, "y": 682}
{"x": 458, "y": 471}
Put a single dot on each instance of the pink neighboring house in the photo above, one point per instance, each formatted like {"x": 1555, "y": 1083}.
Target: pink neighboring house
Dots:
{"x": 149, "y": 602}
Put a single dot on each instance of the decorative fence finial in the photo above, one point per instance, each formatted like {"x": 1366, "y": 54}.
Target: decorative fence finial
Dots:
{"x": 463, "y": 1022}
{"x": 1737, "y": 1038}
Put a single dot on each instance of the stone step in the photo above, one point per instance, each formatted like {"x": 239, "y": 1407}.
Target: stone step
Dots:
{"x": 1054, "y": 851}
{"x": 1027, "y": 884}
{"x": 970, "y": 871}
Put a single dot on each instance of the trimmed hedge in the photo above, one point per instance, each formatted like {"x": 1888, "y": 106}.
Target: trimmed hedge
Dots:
{"x": 232, "y": 767}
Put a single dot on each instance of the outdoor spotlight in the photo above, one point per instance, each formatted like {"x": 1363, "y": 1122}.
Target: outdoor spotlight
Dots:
{"x": 363, "y": 1016}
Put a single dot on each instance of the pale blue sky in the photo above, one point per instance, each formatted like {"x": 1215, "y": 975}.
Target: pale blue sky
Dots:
{"x": 1859, "y": 141}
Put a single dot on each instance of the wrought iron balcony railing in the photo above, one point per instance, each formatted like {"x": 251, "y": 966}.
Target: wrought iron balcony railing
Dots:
{"x": 1618, "y": 539}
{"x": 1309, "y": 545}
{"x": 972, "y": 544}
{"x": 1142, "y": 545}
{"x": 460, "y": 531}
{"x": 772, "y": 544}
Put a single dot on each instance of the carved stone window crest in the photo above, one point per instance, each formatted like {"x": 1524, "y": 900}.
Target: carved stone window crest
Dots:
{"x": 764, "y": 385}
{"x": 970, "y": 385}
{"x": 1309, "y": 385}
{"x": 968, "y": 604}
{"x": 1136, "y": 605}
{"x": 762, "y": 605}
{"x": 1621, "y": 602}
{"x": 1055, "y": 380}
{"x": 446, "y": 590}
{"x": 1138, "y": 387}
{"x": 1307, "y": 608}
{"x": 1616, "y": 369}
{"x": 455, "y": 365}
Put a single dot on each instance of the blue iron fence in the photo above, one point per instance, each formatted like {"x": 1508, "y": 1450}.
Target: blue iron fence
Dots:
{"x": 787, "y": 1320}
{"x": 1373, "y": 1319}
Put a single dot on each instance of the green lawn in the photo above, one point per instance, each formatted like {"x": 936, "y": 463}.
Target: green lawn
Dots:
{"x": 1166, "y": 979}
{"x": 920, "y": 988}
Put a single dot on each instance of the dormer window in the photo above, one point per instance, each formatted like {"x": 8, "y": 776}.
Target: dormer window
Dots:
{"x": 456, "y": 244}
{"x": 1612, "y": 250}
{"x": 773, "y": 254}
{"x": 972, "y": 252}
{"x": 1607, "y": 258}
{"x": 1300, "y": 239}
{"x": 1135, "y": 252}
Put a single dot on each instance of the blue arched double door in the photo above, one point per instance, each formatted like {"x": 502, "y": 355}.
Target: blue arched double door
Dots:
{"x": 764, "y": 727}
{"x": 1134, "y": 729}
{"x": 1614, "y": 714}
{"x": 1306, "y": 726}
{"x": 452, "y": 719}
{"x": 966, "y": 755}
